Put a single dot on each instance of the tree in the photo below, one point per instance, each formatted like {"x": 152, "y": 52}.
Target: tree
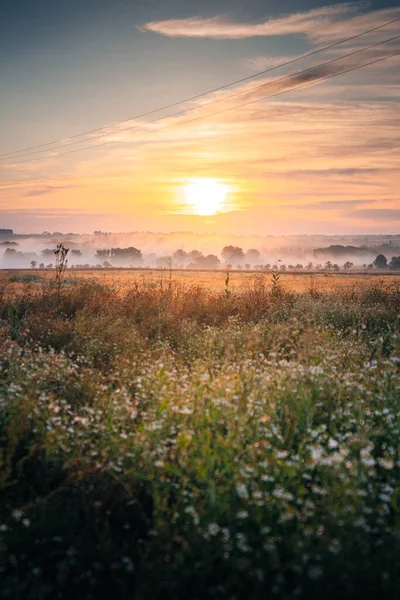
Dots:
{"x": 164, "y": 262}
{"x": 76, "y": 252}
{"x": 208, "y": 262}
{"x": 194, "y": 254}
{"x": 10, "y": 253}
{"x": 348, "y": 265}
{"x": 33, "y": 264}
{"x": 336, "y": 267}
{"x": 381, "y": 261}
{"x": 121, "y": 255}
{"x": 232, "y": 254}
{"x": 328, "y": 265}
{"x": 41, "y": 266}
{"x": 179, "y": 257}
{"x": 253, "y": 256}
{"x": 395, "y": 263}
{"x": 102, "y": 254}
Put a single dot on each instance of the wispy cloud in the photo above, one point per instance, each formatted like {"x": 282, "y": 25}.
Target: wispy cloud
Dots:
{"x": 261, "y": 63}
{"x": 330, "y": 205}
{"x": 48, "y": 189}
{"x": 373, "y": 214}
{"x": 220, "y": 27}
{"x": 329, "y": 23}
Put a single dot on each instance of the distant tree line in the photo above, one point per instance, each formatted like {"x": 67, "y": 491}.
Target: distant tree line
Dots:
{"x": 231, "y": 256}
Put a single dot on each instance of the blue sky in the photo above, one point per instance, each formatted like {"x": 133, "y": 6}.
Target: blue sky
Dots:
{"x": 68, "y": 67}
{"x": 72, "y": 65}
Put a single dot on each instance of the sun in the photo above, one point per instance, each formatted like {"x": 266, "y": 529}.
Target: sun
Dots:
{"x": 205, "y": 196}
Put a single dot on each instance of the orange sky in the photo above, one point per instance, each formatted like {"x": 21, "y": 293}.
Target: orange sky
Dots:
{"x": 324, "y": 159}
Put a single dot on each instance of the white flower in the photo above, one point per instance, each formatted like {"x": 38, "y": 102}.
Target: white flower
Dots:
{"x": 282, "y": 494}
{"x": 316, "y": 454}
{"x": 242, "y": 491}
{"x": 282, "y": 454}
{"x": 17, "y": 514}
{"x": 213, "y": 529}
{"x": 386, "y": 463}
{"x": 242, "y": 514}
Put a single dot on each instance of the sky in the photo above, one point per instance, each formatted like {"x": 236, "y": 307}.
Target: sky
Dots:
{"x": 270, "y": 159}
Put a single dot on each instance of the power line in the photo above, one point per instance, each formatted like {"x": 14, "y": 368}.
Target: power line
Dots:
{"x": 196, "y": 97}
{"x": 226, "y": 109}
{"x": 185, "y": 111}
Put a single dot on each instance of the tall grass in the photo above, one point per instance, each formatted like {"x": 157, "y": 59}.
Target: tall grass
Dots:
{"x": 169, "y": 442}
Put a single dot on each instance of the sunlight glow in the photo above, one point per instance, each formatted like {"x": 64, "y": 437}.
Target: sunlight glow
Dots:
{"x": 205, "y": 196}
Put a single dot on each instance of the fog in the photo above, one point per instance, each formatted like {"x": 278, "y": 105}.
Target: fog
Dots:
{"x": 159, "y": 250}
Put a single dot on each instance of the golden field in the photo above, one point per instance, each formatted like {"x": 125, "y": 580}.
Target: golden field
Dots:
{"x": 215, "y": 280}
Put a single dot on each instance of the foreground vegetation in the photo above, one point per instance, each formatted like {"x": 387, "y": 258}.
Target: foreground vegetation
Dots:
{"x": 161, "y": 441}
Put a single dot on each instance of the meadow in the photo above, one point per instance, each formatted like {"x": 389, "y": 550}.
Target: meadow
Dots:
{"x": 168, "y": 439}
{"x": 211, "y": 279}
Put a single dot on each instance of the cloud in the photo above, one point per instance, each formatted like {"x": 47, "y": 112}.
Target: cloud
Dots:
{"x": 48, "y": 190}
{"x": 372, "y": 214}
{"x": 262, "y": 63}
{"x": 42, "y": 211}
{"x": 327, "y": 205}
{"x": 325, "y": 24}
{"x": 220, "y": 28}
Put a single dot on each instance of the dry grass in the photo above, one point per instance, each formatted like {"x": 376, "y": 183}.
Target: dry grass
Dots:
{"x": 215, "y": 280}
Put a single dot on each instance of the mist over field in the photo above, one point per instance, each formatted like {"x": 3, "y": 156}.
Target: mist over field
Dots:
{"x": 191, "y": 250}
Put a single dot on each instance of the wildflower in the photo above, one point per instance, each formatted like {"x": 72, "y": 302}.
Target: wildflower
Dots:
{"x": 82, "y": 420}
{"x": 282, "y": 454}
{"x": 190, "y": 510}
{"x": 386, "y": 463}
{"x": 17, "y": 514}
{"x": 282, "y": 494}
{"x": 316, "y": 454}
{"x": 242, "y": 491}
{"x": 242, "y": 514}
{"x": 213, "y": 529}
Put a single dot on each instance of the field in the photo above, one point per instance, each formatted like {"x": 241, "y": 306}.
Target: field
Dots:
{"x": 214, "y": 280}
{"x": 177, "y": 436}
